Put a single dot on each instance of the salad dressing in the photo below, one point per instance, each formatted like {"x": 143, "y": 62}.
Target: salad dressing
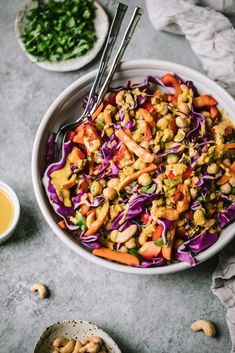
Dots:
{"x": 59, "y": 178}
{"x": 6, "y": 211}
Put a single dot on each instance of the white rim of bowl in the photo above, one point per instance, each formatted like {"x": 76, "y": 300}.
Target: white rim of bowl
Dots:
{"x": 74, "y": 63}
{"x": 36, "y": 178}
{"x": 16, "y": 206}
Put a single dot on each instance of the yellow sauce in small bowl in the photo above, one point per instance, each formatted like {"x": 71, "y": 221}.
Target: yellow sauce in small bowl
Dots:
{"x": 6, "y": 212}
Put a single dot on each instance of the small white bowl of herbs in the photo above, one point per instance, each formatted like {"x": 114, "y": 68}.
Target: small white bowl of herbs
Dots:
{"x": 62, "y": 35}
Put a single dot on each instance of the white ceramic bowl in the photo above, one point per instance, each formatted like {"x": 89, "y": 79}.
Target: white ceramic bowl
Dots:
{"x": 16, "y": 209}
{"x": 69, "y": 105}
{"x": 76, "y": 330}
{"x": 101, "y": 23}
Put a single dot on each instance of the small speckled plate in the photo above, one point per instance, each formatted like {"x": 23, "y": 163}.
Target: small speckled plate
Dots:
{"x": 76, "y": 330}
{"x": 101, "y": 23}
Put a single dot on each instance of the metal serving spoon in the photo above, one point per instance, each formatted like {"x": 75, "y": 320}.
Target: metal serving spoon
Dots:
{"x": 111, "y": 39}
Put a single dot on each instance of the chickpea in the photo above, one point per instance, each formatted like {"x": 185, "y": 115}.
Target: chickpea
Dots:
{"x": 199, "y": 217}
{"x": 139, "y": 164}
{"x": 206, "y": 114}
{"x": 162, "y": 108}
{"x": 102, "y": 182}
{"x": 109, "y": 193}
{"x": 232, "y": 181}
{"x": 209, "y": 121}
{"x": 96, "y": 188}
{"x": 226, "y": 188}
{"x": 213, "y": 168}
{"x": 128, "y": 170}
{"x": 179, "y": 136}
{"x": 168, "y": 135}
{"x": 162, "y": 123}
{"x": 227, "y": 162}
{"x": 112, "y": 183}
{"x": 193, "y": 193}
{"x": 212, "y": 196}
{"x": 172, "y": 158}
{"x": 145, "y": 179}
{"x": 109, "y": 131}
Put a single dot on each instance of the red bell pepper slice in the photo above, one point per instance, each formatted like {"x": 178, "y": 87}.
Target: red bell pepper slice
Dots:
{"x": 187, "y": 173}
{"x": 70, "y": 135}
{"x": 145, "y": 217}
{"x": 171, "y": 175}
{"x": 148, "y": 134}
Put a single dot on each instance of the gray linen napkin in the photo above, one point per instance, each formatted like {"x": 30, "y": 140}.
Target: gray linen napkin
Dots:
{"x": 210, "y": 33}
{"x": 223, "y": 286}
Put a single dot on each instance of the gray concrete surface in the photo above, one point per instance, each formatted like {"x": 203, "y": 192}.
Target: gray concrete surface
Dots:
{"x": 143, "y": 314}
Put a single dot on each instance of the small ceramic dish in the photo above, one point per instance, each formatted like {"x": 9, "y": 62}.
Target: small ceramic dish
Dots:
{"x": 76, "y": 330}
{"x": 101, "y": 26}
{"x": 16, "y": 211}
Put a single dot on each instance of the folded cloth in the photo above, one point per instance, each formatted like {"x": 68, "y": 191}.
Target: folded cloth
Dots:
{"x": 223, "y": 285}
{"x": 210, "y": 33}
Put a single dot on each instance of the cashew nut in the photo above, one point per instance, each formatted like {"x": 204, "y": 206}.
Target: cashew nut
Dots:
{"x": 41, "y": 289}
{"x": 126, "y": 234}
{"x": 68, "y": 348}
{"x": 144, "y": 179}
{"x": 204, "y": 325}
{"x": 77, "y": 347}
{"x": 60, "y": 342}
{"x": 90, "y": 347}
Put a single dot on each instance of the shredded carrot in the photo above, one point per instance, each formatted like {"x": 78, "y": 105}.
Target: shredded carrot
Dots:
{"x": 62, "y": 224}
{"x": 136, "y": 175}
{"x": 204, "y": 101}
{"x": 117, "y": 256}
{"x": 100, "y": 219}
{"x": 134, "y": 147}
{"x": 167, "y": 251}
{"x": 232, "y": 167}
{"x": 97, "y": 111}
{"x": 223, "y": 180}
{"x": 172, "y": 81}
{"x": 214, "y": 112}
{"x": 229, "y": 146}
{"x": 158, "y": 232}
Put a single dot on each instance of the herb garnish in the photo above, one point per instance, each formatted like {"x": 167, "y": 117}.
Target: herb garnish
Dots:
{"x": 59, "y": 30}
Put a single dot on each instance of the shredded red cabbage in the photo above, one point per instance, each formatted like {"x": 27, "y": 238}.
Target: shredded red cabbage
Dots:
{"x": 155, "y": 262}
{"x": 227, "y": 216}
{"x": 194, "y": 246}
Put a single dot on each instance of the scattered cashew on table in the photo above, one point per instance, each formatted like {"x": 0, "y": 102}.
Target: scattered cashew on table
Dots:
{"x": 91, "y": 344}
{"x": 204, "y": 325}
{"x": 41, "y": 289}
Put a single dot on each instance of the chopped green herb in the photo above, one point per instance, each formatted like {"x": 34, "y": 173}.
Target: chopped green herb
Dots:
{"x": 154, "y": 130}
{"x": 135, "y": 253}
{"x": 168, "y": 236}
{"x": 159, "y": 242}
{"x": 59, "y": 30}
{"x": 81, "y": 221}
{"x": 149, "y": 189}
{"x": 200, "y": 199}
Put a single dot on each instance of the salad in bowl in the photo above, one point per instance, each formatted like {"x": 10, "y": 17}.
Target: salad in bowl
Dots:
{"x": 148, "y": 179}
